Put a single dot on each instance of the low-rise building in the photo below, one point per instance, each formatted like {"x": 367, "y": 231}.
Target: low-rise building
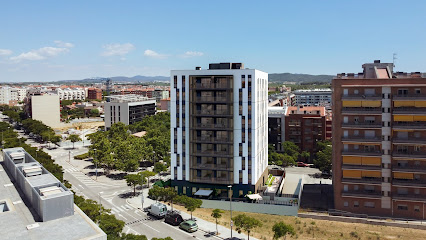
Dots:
{"x": 313, "y": 97}
{"x": 36, "y": 205}
{"x": 94, "y": 93}
{"x": 71, "y": 94}
{"x": 128, "y": 109}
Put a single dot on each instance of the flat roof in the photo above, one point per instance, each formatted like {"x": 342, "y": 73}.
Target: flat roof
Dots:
{"x": 19, "y": 222}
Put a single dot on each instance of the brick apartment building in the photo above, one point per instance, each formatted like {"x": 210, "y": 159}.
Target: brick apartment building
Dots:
{"x": 301, "y": 125}
{"x": 94, "y": 93}
{"x": 379, "y": 142}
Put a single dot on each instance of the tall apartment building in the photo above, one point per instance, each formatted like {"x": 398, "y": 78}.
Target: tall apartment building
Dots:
{"x": 128, "y": 109}
{"x": 379, "y": 142}
{"x": 313, "y": 97}
{"x": 219, "y": 126}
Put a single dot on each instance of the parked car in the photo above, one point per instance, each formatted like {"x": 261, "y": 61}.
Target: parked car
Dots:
{"x": 302, "y": 164}
{"x": 189, "y": 226}
{"x": 157, "y": 210}
{"x": 173, "y": 218}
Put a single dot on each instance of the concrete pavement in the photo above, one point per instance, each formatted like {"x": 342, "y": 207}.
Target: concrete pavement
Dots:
{"x": 203, "y": 225}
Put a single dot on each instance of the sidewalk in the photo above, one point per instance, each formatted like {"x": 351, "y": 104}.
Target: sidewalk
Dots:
{"x": 203, "y": 225}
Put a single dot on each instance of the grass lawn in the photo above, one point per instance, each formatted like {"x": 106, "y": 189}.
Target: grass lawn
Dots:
{"x": 316, "y": 229}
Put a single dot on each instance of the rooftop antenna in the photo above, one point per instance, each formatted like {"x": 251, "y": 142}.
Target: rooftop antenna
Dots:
{"x": 394, "y": 58}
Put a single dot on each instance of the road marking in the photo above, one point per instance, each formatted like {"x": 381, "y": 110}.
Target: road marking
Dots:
{"x": 178, "y": 229}
{"x": 80, "y": 186}
{"x": 136, "y": 212}
{"x": 128, "y": 230}
{"x": 122, "y": 216}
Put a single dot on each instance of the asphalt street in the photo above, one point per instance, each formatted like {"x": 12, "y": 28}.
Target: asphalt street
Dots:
{"x": 112, "y": 195}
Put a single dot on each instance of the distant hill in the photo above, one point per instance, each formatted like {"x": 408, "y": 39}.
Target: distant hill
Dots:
{"x": 299, "y": 78}
{"x": 139, "y": 78}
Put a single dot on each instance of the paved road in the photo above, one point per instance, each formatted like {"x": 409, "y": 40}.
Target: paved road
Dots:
{"x": 112, "y": 195}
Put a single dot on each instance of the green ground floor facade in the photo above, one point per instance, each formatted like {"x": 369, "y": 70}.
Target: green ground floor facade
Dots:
{"x": 219, "y": 190}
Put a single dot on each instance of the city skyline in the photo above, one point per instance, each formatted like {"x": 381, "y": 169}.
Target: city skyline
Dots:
{"x": 52, "y": 40}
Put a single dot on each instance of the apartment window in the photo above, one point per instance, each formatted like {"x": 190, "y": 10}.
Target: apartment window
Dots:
{"x": 416, "y": 148}
{"x": 402, "y": 91}
{"x": 345, "y": 188}
{"x": 356, "y": 91}
{"x": 402, "y": 207}
{"x": 356, "y": 132}
{"x": 175, "y": 81}
{"x": 184, "y": 190}
{"x": 416, "y": 208}
{"x": 345, "y": 204}
{"x": 417, "y": 91}
{"x": 369, "y": 204}
{"x": 356, "y": 187}
{"x": 345, "y": 92}
{"x": 416, "y": 191}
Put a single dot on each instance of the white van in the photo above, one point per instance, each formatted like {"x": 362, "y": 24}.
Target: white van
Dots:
{"x": 158, "y": 210}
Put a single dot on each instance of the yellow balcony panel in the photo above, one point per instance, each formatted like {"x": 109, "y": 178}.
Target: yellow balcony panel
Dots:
{"x": 347, "y": 103}
{"x": 420, "y": 118}
{"x": 403, "y": 118}
{"x": 373, "y": 174}
{"x": 420, "y": 103}
{"x": 400, "y": 175}
{"x": 403, "y": 103}
{"x": 373, "y": 161}
{"x": 371, "y": 103}
{"x": 352, "y": 160}
{"x": 351, "y": 174}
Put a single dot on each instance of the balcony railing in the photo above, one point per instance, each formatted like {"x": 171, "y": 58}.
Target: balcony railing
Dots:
{"x": 362, "y": 125}
{"x": 362, "y": 152}
{"x": 211, "y": 99}
{"x": 409, "y": 168}
{"x": 212, "y": 125}
{"x": 408, "y": 182}
{"x": 361, "y": 139}
{"x": 408, "y": 140}
{"x": 373, "y": 194}
{"x": 362, "y": 180}
{"x": 211, "y": 152}
{"x": 210, "y": 85}
{"x": 409, "y": 110}
{"x": 408, "y": 96}
{"x": 408, "y": 196}
{"x": 362, "y": 97}
{"x": 213, "y": 166}
{"x": 211, "y": 180}
{"x": 409, "y": 154}
{"x": 409, "y": 125}
{"x": 212, "y": 112}
{"x": 368, "y": 167}
{"x": 366, "y": 110}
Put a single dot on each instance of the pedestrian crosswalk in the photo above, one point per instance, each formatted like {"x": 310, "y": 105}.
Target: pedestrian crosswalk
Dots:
{"x": 122, "y": 208}
{"x": 86, "y": 180}
{"x": 71, "y": 169}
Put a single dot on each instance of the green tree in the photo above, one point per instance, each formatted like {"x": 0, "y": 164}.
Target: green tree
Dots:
{"x": 111, "y": 225}
{"x": 167, "y": 238}
{"x": 94, "y": 112}
{"x": 323, "y": 159}
{"x": 130, "y": 236}
{"x": 133, "y": 180}
{"x": 281, "y": 229}
{"x": 305, "y": 155}
{"x": 74, "y": 138}
{"x": 291, "y": 149}
{"x": 159, "y": 167}
{"x": 191, "y": 204}
{"x": 217, "y": 213}
{"x": 169, "y": 195}
{"x": 146, "y": 175}
{"x": 246, "y": 223}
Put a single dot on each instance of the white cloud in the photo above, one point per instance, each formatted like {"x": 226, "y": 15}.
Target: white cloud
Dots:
{"x": 64, "y": 44}
{"x": 117, "y": 49}
{"x": 189, "y": 54}
{"x": 5, "y": 52}
{"x": 40, "y": 54}
{"x": 153, "y": 54}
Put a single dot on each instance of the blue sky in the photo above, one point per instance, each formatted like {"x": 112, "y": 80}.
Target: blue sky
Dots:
{"x": 58, "y": 40}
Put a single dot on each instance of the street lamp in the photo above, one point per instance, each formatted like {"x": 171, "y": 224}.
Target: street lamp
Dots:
{"x": 96, "y": 164}
{"x": 142, "y": 200}
{"x": 69, "y": 156}
{"x": 230, "y": 205}
{"x": 100, "y": 203}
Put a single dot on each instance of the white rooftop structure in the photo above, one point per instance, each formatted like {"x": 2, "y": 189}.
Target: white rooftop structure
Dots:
{"x": 129, "y": 98}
